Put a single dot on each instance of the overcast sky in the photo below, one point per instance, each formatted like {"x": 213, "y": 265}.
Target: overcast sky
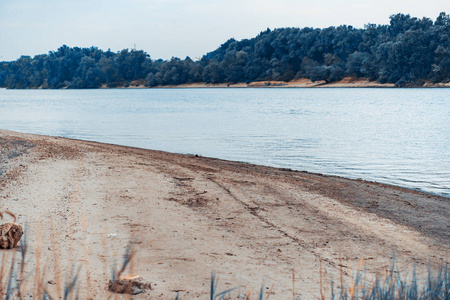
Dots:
{"x": 166, "y": 28}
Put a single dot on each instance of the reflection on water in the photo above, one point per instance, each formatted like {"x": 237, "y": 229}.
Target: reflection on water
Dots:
{"x": 394, "y": 136}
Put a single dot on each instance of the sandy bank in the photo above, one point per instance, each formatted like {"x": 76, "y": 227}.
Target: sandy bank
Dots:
{"x": 190, "y": 215}
{"x": 299, "y": 83}
{"x": 347, "y": 82}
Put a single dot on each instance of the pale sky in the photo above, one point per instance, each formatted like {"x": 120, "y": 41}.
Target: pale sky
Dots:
{"x": 166, "y": 28}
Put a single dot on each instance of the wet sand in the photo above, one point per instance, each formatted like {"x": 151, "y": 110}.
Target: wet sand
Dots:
{"x": 188, "y": 216}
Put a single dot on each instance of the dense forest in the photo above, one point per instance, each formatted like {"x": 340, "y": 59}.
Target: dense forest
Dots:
{"x": 407, "y": 52}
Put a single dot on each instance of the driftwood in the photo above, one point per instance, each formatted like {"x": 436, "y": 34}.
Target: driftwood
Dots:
{"x": 10, "y": 233}
{"x": 131, "y": 284}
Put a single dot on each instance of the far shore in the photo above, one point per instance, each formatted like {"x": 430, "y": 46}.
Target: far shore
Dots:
{"x": 300, "y": 83}
{"x": 347, "y": 82}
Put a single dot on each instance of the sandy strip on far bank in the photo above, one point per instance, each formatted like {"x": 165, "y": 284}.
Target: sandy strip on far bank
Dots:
{"x": 188, "y": 216}
{"x": 346, "y": 82}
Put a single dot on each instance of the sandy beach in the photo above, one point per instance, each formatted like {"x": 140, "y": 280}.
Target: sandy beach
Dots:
{"x": 346, "y": 82}
{"x": 187, "y": 216}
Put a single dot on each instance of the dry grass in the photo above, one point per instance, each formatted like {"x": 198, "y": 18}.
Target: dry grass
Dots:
{"x": 16, "y": 281}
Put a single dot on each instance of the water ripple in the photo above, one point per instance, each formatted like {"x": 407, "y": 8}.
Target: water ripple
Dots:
{"x": 394, "y": 136}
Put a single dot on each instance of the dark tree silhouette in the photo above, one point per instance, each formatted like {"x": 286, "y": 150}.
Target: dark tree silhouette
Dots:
{"x": 408, "y": 51}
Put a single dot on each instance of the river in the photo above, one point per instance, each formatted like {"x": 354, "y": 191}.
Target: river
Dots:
{"x": 394, "y": 136}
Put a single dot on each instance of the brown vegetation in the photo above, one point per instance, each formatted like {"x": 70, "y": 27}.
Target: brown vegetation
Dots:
{"x": 10, "y": 233}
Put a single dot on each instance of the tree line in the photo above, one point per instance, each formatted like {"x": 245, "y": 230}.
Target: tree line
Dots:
{"x": 407, "y": 52}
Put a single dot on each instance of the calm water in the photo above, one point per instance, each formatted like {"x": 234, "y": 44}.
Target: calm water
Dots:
{"x": 395, "y": 136}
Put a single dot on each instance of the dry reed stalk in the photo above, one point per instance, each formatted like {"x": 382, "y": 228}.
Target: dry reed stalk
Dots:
{"x": 353, "y": 287}
{"x": 293, "y": 283}
{"x": 10, "y": 276}
{"x": 115, "y": 259}
{"x": 249, "y": 293}
{"x": 72, "y": 216}
{"x": 2, "y": 275}
{"x": 56, "y": 267}
{"x": 104, "y": 259}
{"x": 105, "y": 253}
{"x": 361, "y": 263}
{"x": 129, "y": 256}
{"x": 341, "y": 271}
{"x": 131, "y": 266}
{"x": 23, "y": 283}
{"x": 360, "y": 267}
{"x": 41, "y": 288}
{"x": 322, "y": 296}
{"x": 37, "y": 273}
{"x": 269, "y": 292}
{"x": 86, "y": 257}
{"x": 373, "y": 285}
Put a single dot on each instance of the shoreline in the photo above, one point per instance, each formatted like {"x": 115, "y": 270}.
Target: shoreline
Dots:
{"x": 346, "y": 82}
{"x": 359, "y": 179}
{"x": 325, "y": 175}
{"x": 189, "y": 215}
{"x": 393, "y": 186}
